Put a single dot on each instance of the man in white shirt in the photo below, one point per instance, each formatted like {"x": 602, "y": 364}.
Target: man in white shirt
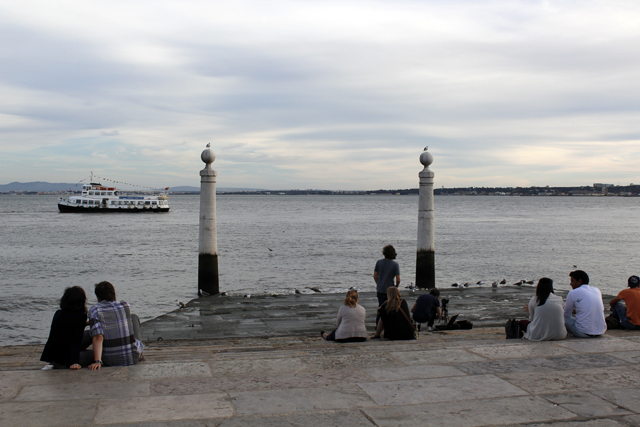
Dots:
{"x": 586, "y": 302}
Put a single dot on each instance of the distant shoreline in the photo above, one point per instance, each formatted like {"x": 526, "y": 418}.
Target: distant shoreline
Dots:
{"x": 598, "y": 189}
{"x": 579, "y": 193}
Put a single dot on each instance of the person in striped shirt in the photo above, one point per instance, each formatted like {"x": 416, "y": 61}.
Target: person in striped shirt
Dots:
{"x": 115, "y": 332}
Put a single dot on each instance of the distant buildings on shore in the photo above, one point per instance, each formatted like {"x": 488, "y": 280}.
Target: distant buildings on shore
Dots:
{"x": 596, "y": 190}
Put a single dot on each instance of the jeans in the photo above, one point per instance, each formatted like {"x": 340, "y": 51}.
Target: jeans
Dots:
{"x": 570, "y": 324}
{"x": 620, "y": 311}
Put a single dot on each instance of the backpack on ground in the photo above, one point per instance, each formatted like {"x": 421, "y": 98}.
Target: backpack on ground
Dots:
{"x": 464, "y": 324}
{"x": 513, "y": 330}
{"x": 612, "y": 322}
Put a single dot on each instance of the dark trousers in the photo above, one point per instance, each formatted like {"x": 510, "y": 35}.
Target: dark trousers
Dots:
{"x": 620, "y": 311}
{"x": 429, "y": 320}
{"x": 382, "y": 297}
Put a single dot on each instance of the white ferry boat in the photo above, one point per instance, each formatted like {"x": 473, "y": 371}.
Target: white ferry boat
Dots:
{"x": 98, "y": 199}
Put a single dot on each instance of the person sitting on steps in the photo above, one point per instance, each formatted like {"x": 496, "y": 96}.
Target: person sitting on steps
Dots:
{"x": 427, "y": 308}
{"x": 586, "y": 302}
{"x": 629, "y": 317}
{"x": 350, "y": 321}
{"x": 394, "y": 317}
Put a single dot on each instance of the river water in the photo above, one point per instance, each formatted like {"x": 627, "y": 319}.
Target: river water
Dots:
{"x": 281, "y": 243}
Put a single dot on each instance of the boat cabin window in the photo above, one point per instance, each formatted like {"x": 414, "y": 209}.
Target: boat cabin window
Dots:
{"x": 110, "y": 193}
{"x": 103, "y": 193}
{"x": 85, "y": 202}
{"x": 91, "y": 193}
{"x": 154, "y": 203}
{"x": 147, "y": 202}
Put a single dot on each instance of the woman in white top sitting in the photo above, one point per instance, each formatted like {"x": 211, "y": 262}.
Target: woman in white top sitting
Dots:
{"x": 546, "y": 314}
{"x": 350, "y": 321}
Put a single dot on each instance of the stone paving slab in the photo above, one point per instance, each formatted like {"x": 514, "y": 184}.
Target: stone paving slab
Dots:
{"x": 412, "y": 372}
{"x": 599, "y": 345}
{"x": 170, "y": 370}
{"x": 439, "y": 357}
{"x": 606, "y": 422}
{"x": 300, "y": 400}
{"x": 161, "y": 408}
{"x": 352, "y": 418}
{"x": 574, "y": 380}
{"x": 470, "y": 413}
{"x": 48, "y": 414}
{"x": 527, "y": 349}
{"x": 82, "y": 391}
{"x": 412, "y": 392}
{"x": 586, "y": 404}
{"x": 556, "y": 363}
{"x": 628, "y": 398}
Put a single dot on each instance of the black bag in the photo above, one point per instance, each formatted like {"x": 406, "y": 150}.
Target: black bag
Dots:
{"x": 464, "y": 324}
{"x": 612, "y": 322}
{"x": 513, "y": 330}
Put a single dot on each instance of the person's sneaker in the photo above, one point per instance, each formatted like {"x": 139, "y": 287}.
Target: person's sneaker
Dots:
{"x": 47, "y": 367}
{"x": 429, "y": 328}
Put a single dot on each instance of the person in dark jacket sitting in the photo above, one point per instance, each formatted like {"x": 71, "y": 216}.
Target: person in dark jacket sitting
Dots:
{"x": 427, "y": 308}
{"x": 394, "y": 317}
{"x": 62, "y": 349}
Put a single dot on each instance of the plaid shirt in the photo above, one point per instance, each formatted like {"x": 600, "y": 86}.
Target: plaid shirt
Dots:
{"x": 112, "y": 320}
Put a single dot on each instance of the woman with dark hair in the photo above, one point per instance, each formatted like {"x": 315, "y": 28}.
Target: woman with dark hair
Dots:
{"x": 67, "y": 328}
{"x": 350, "y": 321}
{"x": 394, "y": 317}
{"x": 546, "y": 314}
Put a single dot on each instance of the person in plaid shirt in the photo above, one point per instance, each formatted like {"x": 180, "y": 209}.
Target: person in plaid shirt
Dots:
{"x": 115, "y": 332}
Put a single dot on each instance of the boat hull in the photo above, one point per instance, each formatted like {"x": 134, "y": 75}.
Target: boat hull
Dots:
{"x": 97, "y": 209}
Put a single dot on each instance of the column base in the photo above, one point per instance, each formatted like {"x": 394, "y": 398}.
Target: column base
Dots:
{"x": 425, "y": 270}
{"x": 208, "y": 275}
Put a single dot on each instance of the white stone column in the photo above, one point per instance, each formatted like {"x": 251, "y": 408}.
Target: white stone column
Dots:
{"x": 208, "y": 250}
{"x": 425, "y": 260}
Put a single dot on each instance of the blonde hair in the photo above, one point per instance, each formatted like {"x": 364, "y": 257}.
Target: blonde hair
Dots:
{"x": 352, "y": 298}
{"x": 394, "y": 299}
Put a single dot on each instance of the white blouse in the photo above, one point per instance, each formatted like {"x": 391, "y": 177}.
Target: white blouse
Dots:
{"x": 547, "y": 321}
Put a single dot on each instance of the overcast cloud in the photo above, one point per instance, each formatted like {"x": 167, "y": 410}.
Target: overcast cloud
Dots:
{"x": 321, "y": 94}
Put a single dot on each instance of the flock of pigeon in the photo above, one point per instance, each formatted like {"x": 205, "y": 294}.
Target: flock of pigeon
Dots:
{"x": 411, "y": 287}
{"x": 493, "y": 284}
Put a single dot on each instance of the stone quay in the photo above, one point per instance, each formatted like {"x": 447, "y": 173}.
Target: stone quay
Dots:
{"x": 230, "y": 361}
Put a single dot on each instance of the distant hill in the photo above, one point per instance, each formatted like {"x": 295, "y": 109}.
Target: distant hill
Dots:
{"x": 48, "y": 186}
{"x": 37, "y": 186}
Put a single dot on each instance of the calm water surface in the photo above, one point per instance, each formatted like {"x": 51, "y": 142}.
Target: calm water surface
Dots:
{"x": 330, "y": 242}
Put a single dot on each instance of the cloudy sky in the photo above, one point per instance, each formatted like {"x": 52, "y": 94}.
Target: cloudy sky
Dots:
{"x": 321, "y": 94}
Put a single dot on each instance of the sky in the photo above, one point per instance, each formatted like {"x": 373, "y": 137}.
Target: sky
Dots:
{"x": 338, "y": 95}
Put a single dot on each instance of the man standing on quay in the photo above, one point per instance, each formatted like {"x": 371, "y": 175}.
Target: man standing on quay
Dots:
{"x": 586, "y": 301}
{"x": 629, "y": 317}
{"x": 384, "y": 273}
